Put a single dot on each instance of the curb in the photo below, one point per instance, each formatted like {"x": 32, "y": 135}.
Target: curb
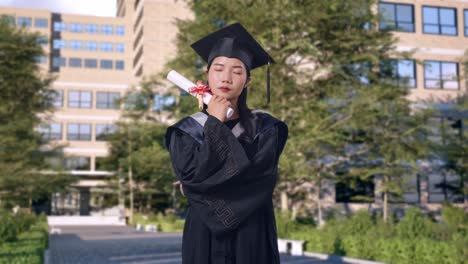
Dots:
{"x": 340, "y": 258}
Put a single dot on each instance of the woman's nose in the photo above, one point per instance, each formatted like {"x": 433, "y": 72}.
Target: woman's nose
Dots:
{"x": 227, "y": 78}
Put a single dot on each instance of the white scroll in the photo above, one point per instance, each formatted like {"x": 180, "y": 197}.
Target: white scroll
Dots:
{"x": 185, "y": 84}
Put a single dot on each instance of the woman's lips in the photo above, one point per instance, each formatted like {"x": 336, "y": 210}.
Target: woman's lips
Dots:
{"x": 224, "y": 89}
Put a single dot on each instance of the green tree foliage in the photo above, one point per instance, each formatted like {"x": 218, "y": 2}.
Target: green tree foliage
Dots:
{"x": 327, "y": 84}
{"x": 25, "y": 94}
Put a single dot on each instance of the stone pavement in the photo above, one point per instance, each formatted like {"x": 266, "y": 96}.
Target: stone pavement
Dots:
{"x": 117, "y": 244}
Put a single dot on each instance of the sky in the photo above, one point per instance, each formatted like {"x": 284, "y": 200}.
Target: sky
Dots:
{"x": 82, "y": 7}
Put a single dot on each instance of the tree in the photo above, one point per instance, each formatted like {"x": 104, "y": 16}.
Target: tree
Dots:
{"x": 137, "y": 147}
{"x": 25, "y": 94}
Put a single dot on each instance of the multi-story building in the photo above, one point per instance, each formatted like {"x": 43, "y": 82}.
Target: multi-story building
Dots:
{"x": 96, "y": 61}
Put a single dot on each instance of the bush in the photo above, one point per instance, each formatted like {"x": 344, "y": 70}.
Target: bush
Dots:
{"x": 414, "y": 225}
{"x": 454, "y": 217}
{"x": 8, "y": 229}
{"x": 24, "y": 221}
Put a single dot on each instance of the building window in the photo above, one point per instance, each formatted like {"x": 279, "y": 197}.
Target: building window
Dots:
{"x": 51, "y": 131}
{"x": 60, "y": 27}
{"x": 43, "y": 41}
{"x": 103, "y": 131}
{"x": 41, "y": 59}
{"x": 90, "y": 63}
{"x": 466, "y": 22}
{"x": 120, "y": 30}
{"x": 440, "y": 75}
{"x": 163, "y": 102}
{"x": 445, "y": 187}
{"x": 92, "y": 28}
{"x": 91, "y": 45}
{"x": 107, "y": 100}
{"x": 401, "y": 72}
{"x": 75, "y": 27}
{"x": 57, "y": 98}
{"x": 77, "y": 163}
{"x": 355, "y": 191}
{"x": 10, "y": 20}
{"x": 106, "y": 64}
{"x": 74, "y": 62}
{"x": 59, "y": 44}
{"x": 79, "y": 132}
{"x": 119, "y": 65}
{"x": 80, "y": 99}
{"x": 23, "y": 21}
{"x": 136, "y": 101}
{"x": 439, "y": 20}
{"x": 106, "y": 47}
{"x": 398, "y": 17}
{"x": 58, "y": 62}
{"x": 107, "y": 29}
{"x": 76, "y": 44}
{"x": 41, "y": 22}
{"x": 410, "y": 191}
{"x": 120, "y": 47}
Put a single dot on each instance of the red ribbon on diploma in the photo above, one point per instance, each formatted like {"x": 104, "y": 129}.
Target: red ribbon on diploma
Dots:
{"x": 199, "y": 90}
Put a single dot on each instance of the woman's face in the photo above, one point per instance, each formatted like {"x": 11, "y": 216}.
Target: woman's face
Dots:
{"x": 227, "y": 77}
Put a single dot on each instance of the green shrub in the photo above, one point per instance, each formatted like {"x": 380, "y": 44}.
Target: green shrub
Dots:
{"x": 454, "y": 217}
{"x": 414, "y": 225}
{"x": 358, "y": 224}
{"x": 24, "y": 221}
{"x": 28, "y": 249}
{"x": 8, "y": 229}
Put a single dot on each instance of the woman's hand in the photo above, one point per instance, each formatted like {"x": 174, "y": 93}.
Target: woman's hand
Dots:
{"x": 218, "y": 107}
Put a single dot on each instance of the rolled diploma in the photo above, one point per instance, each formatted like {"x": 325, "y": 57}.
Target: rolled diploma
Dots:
{"x": 185, "y": 84}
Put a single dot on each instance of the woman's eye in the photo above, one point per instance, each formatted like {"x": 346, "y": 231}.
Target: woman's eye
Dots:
{"x": 239, "y": 73}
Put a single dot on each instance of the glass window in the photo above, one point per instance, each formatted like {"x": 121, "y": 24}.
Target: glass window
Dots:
{"x": 51, "y": 131}
{"x": 58, "y": 62}
{"x": 78, "y": 163}
{"x": 398, "y": 17}
{"x": 91, "y": 45}
{"x": 441, "y": 75}
{"x": 92, "y": 28}
{"x": 74, "y": 62}
{"x": 79, "y": 132}
{"x": 43, "y": 41}
{"x": 106, "y": 64}
{"x": 80, "y": 99}
{"x": 75, "y": 44}
{"x": 41, "y": 22}
{"x": 107, "y": 100}
{"x": 90, "y": 63}
{"x": 120, "y": 30}
{"x": 60, "y": 26}
{"x": 23, "y": 21}
{"x": 355, "y": 190}
{"x": 76, "y": 27}
{"x": 445, "y": 187}
{"x": 59, "y": 43}
{"x": 57, "y": 98}
{"x": 410, "y": 191}
{"x": 136, "y": 101}
{"x": 10, "y": 20}
{"x": 41, "y": 59}
{"x": 103, "y": 131}
{"x": 119, "y": 47}
{"x": 162, "y": 102}
{"x": 439, "y": 20}
{"x": 107, "y": 29}
{"x": 466, "y": 22}
{"x": 119, "y": 65}
{"x": 401, "y": 72}
{"x": 106, "y": 47}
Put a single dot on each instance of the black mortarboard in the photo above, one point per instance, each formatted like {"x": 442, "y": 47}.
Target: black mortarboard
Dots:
{"x": 234, "y": 41}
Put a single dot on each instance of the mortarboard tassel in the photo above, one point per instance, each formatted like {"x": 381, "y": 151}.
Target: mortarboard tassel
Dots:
{"x": 268, "y": 83}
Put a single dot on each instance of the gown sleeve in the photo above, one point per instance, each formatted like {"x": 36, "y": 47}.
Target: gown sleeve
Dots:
{"x": 222, "y": 185}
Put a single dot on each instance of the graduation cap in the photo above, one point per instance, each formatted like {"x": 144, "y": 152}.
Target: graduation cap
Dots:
{"x": 234, "y": 41}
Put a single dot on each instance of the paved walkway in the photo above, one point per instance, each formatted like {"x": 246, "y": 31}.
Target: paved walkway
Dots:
{"x": 102, "y": 245}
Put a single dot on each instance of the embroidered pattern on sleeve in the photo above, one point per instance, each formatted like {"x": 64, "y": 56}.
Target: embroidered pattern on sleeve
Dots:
{"x": 223, "y": 212}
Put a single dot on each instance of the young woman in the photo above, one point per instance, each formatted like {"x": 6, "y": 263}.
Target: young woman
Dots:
{"x": 228, "y": 166}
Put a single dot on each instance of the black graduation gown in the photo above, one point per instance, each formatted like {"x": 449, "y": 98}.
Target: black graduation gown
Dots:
{"x": 229, "y": 184}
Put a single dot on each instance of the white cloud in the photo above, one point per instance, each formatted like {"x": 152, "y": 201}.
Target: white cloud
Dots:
{"x": 82, "y": 7}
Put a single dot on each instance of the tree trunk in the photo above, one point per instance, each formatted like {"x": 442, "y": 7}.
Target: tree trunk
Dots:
{"x": 130, "y": 182}
{"x": 385, "y": 207}
{"x": 284, "y": 201}
{"x": 30, "y": 204}
{"x": 319, "y": 203}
